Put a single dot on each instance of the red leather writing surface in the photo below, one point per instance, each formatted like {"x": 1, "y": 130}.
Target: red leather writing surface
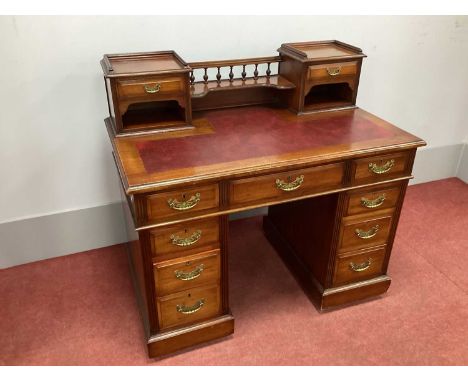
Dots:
{"x": 252, "y": 132}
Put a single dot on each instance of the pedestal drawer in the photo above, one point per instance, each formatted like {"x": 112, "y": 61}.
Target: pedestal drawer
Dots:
{"x": 381, "y": 167}
{"x": 357, "y": 266}
{"x": 192, "y": 235}
{"x": 364, "y": 233}
{"x": 187, "y": 272}
{"x": 188, "y": 307}
{"x": 372, "y": 199}
{"x": 286, "y": 185}
{"x": 181, "y": 202}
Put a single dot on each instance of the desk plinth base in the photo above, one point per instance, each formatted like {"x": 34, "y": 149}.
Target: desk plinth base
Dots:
{"x": 333, "y": 297}
{"x": 180, "y": 339}
{"x": 322, "y": 298}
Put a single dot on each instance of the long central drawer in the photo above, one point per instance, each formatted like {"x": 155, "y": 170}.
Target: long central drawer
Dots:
{"x": 285, "y": 185}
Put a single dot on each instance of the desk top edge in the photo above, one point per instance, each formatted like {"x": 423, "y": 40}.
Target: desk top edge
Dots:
{"x": 134, "y": 182}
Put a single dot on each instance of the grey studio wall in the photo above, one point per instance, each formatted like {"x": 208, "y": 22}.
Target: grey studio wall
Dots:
{"x": 60, "y": 192}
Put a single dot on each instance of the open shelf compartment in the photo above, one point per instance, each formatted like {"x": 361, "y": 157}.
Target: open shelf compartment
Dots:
{"x": 328, "y": 96}
{"x": 153, "y": 115}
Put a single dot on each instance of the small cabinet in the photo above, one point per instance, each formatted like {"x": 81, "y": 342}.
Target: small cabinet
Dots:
{"x": 326, "y": 74}
{"x": 147, "y": 92}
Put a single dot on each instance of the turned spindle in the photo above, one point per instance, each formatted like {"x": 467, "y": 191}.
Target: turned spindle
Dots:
{"x": 218, "y": 75}
{"x": 268, "y": 71}
{"x": 256, "y": 72}
{"x": 192, "y": 78}
{"x": 244, "y": 74}
{"x": 231, "y": 74}
{"x": 205, "y": 76}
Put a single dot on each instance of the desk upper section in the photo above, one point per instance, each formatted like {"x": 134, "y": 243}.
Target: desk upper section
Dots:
{"x": 252, "y": 140}
{"x": 154, "y": 91}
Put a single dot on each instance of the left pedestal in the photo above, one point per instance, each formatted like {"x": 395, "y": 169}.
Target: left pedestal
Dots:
{"x": 179, "y": 272}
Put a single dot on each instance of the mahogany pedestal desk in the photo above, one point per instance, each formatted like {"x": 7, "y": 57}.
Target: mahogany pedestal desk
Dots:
{"x": 189, "y": 153}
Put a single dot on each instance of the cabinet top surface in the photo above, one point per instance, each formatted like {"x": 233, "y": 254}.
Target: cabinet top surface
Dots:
{"x": 147, "y": 63}
{"x": 314, "y": 51}
{"x": 242, "y": 141}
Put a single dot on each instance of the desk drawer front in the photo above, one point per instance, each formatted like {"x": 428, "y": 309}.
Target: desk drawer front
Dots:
{"x": 380, "y": 167}
{"x": 333, "y": 71}
{"x": 150, "y": 88}
{"x": 286, "y": 185}
{"x": 358, "y": 266}
{"x": 364, "y": 233}
{"x": 187, "y": 272}
{"x": 189, "y": 236}
{"x": 188, "y": 307}
{"x": 369, "y": 200}
{"x": 181, "y": 202}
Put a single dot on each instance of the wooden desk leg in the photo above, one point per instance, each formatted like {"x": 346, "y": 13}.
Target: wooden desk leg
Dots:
{"x": 305, "y": 234}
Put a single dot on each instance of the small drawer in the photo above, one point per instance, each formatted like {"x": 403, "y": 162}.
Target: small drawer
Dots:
{"x": 359, "y": 266}
{"x": 372, "y": 199}
{"x": 380, "y": 167}
{"x": 333, "y": 71}
{"x": 191, "y": 235}
{"x": 150, "y": 87}
{"x": 181, "y": 202}
{"x": 286, "y": 185}
{"x": 364, "y": 233}
{"x": 187, "y": 272}
{"x": 188, "y": 307}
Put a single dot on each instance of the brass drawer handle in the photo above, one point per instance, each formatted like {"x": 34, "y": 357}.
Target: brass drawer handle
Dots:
{"x": 184, "y": 205}
{"x": 373, "y": 203}
{"x": 376, "y": 169}
{"x": 187, "y": 276}
{"x": 191, "y": 309}
{"x": 186, "y": 241}
{"x": 291, "y": 186}
{"x": 361, "y": 267}
{"x": 367, "y": 234}
{"x": 334, "y": 71}
{"x": 152, "y": 89}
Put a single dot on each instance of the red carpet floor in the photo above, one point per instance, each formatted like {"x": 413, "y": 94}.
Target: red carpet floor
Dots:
{"x": 81, "y": 310}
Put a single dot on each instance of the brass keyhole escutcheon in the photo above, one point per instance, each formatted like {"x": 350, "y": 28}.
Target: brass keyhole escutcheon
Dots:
{"x": 289, "y": 184}
{"x": 382, "y": 168}
{"x": 185, "y": 203}
{"x": 193, "y": 274}
{"x": 191, "y": 309}
{"x": 187, "y": 240}
{"x": 373, "y": 203}
{"x": 152, "y": 89}
{"x": 334, "y": 71}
